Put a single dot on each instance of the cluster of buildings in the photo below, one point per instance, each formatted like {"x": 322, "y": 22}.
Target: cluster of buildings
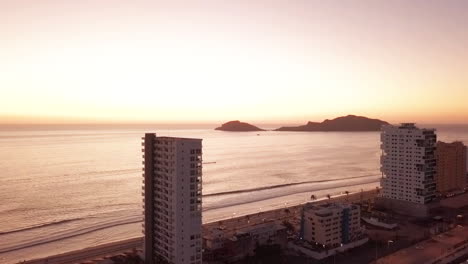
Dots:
{"x": 416, "y": 171}
{"x": 230, "y": 246}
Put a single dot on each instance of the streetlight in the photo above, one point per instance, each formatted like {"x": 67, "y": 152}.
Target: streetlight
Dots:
{"x": 388, "y": 243}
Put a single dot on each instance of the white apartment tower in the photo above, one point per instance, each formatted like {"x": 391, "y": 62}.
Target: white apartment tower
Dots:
{"x": 172, "y": 194}
{"x": 408, "y": 163}
{"x": 331, "y": 225}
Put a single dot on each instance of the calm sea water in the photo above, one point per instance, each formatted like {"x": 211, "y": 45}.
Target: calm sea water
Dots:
{"x": 64, "y": 189}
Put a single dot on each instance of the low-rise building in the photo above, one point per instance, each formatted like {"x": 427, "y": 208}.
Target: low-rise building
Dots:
{"x": 328, "y": 229}
{"x": 227, "y": 245}
{"x": 331, "y": 225}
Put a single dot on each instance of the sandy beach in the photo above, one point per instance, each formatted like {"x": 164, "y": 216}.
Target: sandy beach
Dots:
{"x": 230, "y": 225}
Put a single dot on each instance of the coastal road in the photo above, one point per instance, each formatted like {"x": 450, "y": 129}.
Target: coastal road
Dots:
{"x": 83, "y": 255}
{"x": 233, "y": 224}
{"x": 230, "y": 225}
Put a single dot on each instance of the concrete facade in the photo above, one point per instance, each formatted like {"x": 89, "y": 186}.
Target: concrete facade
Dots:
{"x": 408, "y": 163}
{"x": 451, "y": 167}
{"x": 172, "y": 194}
{"x": 331, "y": 225}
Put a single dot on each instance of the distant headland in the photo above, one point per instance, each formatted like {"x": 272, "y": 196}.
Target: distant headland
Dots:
{"x": 344, "y": 123}
{"x": 237, "y": 126}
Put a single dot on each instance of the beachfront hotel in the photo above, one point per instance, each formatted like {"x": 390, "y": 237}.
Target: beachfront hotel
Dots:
{"x": 172, "y": 192}
{"x": 329, "y": 229}
{"x": 331, "y": 225}
{"x": 451, "y": 167}
{"x": 408, "y": 167}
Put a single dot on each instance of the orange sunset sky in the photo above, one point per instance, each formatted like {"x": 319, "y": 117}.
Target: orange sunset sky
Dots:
{"x": 214, "y": 61}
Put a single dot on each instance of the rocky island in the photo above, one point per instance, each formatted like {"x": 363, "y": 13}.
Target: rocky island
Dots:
{"x": 237, "y": 126}
{"x": 344, "y": 123}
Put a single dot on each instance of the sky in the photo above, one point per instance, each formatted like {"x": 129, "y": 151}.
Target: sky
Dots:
{"x": 214, "y": 61}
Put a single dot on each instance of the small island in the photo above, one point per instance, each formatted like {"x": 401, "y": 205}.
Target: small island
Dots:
{"x": 237, "y": 126}
{"x": 344, "y": 123}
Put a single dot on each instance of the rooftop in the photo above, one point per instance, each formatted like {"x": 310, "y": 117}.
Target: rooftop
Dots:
{"x": 431, "y": 249}
{"x": 268, "y": 225}
{"x": 174, "y": 138}
{"x": 179, "y": 138}
{"x": 408, "y": 126}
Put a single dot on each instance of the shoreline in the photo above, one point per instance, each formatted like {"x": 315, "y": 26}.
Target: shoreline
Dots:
{"x": 230, "y": 224}
{"x": 89, "y": 253}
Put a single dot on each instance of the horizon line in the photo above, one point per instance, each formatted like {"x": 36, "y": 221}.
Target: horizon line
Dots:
{"x": 184, "y": 123}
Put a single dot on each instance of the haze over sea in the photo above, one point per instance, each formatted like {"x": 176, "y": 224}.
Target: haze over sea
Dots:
{"x": 65, "y": 188}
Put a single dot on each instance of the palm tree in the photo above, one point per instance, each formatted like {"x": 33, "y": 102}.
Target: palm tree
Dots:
{"x": 328, "y": 196}
{"x": 347, "y": 196}
{"x": 313, "y": 198}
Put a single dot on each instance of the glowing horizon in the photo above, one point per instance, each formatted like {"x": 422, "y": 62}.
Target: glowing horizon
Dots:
{"x": 254, "y": 61}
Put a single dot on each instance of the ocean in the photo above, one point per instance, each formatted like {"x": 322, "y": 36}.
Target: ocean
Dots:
{"x": 67, "y": 188}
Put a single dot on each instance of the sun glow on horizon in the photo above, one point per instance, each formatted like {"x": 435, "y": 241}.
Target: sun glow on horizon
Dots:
{"x": 161, "y": 62}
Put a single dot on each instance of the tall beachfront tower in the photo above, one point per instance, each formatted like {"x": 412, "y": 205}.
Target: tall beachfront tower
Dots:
{"x": 172, "y": 191}
{"x": 408, "y": 163}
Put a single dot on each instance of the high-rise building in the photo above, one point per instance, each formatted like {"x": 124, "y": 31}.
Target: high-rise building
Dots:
{"x": 172, "y": 194}
{"x": 408, "y": 163}
{"x": 331, "y": 225}
{"x": 451, "y": 166}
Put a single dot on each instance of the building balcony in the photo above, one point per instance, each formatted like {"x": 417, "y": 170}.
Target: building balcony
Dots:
{"x": 428, "y": 157}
